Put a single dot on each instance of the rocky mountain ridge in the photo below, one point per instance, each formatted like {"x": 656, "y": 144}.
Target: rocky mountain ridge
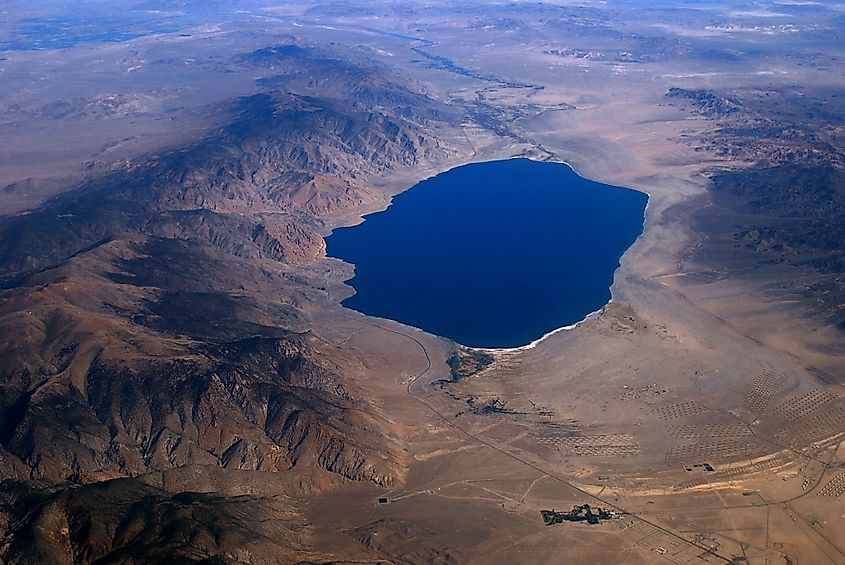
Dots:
{"x": 155, "y": 321}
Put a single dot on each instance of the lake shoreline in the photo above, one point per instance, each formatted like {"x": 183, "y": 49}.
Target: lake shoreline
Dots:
{"x": 525, "y": 254}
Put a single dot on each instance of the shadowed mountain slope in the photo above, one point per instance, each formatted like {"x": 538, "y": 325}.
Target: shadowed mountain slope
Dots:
{"x": 152, "y": 320}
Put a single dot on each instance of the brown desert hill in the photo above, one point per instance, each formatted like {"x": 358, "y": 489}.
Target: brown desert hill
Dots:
{"x": 112, "y": 398}
{"x": 307, "y": 70}
{"x": 258, "y": 404}
{"x": 284, "y": 160}
{"x": 153, "y": 320}
{"x": 777, "y": 222}
{"x": 178, "y": 380}
{"x": 128, "y": 520}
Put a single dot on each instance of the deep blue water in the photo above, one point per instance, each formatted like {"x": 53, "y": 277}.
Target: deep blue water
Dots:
{"x": 64, "y": 32}
{"x": 492, "y": 254}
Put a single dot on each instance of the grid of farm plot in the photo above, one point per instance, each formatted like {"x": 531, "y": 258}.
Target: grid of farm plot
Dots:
{"x": 669, "y": 547}
{"x": 699, "y": 441}
{"x": 836, "y": 486}
{"x": 800, "y": 406}
{"x": 682, "y": 410}
{"x": 726, "y": 430}
{"x": 818, "y": 425}
{"x": 693, "y": 453}
{"x": 761, "y": 391}
{"x": 735, "y": 472}
{"x": 596, "y": 445}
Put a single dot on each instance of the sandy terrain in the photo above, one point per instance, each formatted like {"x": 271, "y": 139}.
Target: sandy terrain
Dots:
{"x": 622, "y": 411}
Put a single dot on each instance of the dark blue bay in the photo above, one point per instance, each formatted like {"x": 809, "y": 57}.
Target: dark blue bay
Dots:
{"x": 64, "y": 32}
{"x": 492, "y": 254}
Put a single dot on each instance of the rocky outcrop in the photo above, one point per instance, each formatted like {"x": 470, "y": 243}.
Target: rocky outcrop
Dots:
{"x": 283, "y": 151}
{"x": 706, "y": 102}
{"x": 401, "y": 541}
{"x": 258, "y": 188}
{"x": 153, "y": 321}
{"x": 264, "y": 404}
{"x": 274, "y": 237}
{"x": 782, "y": 212}
{"x": 129, "y": 521}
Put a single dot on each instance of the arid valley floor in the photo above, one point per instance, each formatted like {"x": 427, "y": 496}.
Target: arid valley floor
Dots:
{"x": 178, "y": 379}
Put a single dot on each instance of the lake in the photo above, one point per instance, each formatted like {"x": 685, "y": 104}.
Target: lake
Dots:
{"x": 493, "y": 254}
